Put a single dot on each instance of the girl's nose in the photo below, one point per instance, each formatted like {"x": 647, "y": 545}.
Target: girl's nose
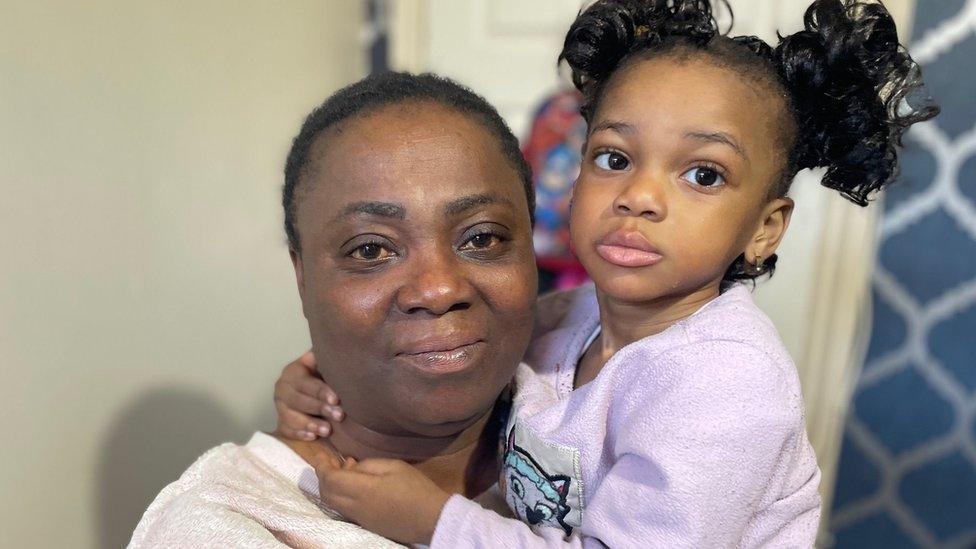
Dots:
{"x": 644, "y": 196}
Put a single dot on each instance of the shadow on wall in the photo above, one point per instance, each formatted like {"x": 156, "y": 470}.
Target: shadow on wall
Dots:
{"x": 152, "y": 441}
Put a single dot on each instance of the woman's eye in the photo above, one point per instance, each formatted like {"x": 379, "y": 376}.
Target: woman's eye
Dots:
{"x": 703, "y": 177}
{"x": 481, "y": 241}
{"x": 613, "y": 161}
{"x": 371, "y": 252}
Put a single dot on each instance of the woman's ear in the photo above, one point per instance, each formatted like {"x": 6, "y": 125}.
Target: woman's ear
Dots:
{"x": 296, "y": 261}
{"x": 773, "y": 222}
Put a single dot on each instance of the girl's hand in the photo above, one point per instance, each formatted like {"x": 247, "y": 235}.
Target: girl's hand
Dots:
{"x": 385, "y": 496}
{"x": 303, "y": 399}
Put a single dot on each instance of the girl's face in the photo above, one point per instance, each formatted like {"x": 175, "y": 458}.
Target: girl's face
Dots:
{"x": 680, "y": 158}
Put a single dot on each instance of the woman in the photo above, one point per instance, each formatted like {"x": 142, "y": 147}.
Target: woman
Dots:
{"x": 408, "y": 212}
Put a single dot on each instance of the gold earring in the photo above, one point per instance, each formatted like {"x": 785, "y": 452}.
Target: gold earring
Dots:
{"x": 756, "y": 268}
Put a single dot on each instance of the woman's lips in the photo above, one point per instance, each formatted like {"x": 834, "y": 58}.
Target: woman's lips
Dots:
{"x": 445, "y": 358}
{"x": 627, "y": 249}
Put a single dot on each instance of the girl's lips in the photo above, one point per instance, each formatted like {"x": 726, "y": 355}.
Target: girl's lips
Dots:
{"x": 627, "y": 257}
{"x": 627, "y": 249}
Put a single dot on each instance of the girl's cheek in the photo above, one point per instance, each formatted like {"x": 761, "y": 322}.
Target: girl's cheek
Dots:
{"x": 593, "y": 204}
{"x": 581, "y": 197}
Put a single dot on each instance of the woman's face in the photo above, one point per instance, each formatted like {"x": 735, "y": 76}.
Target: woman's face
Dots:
{"x": 416, "y": 268}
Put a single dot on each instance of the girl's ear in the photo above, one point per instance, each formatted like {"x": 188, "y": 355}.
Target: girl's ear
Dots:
{"x": 296, "y": 261}
{"x": 773, "y": 222}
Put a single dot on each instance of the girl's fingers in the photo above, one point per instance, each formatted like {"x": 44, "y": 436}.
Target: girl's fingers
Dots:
{"x": 327, "y": 394}
{"x": 304, "y": 376}
{"x": 321, "y": 461}
{"x": 343, "y": 483}
{"x": 344, "y": 505}
{"x": 320, "y": 427}
{"x": 289, "y": 397}
{"x": 333, "y": 413}
{"x": 308, "y": 360}
{"x": 315, "y": 387}
{"x": 294, "y": 434}
{"x": 296, "y": 425}
{"x": 378, "y": 466}
{"x": 345, "y": 489}
{"x": 296, "y": 370}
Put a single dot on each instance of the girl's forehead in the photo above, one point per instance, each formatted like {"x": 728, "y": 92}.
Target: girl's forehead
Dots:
{"x": 665, "y": 82}
{"x": 672, "y": 93}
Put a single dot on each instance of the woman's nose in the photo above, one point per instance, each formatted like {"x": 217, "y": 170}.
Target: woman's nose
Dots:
{"x": 436, "y": 285}
{"x": 643, "y": 196}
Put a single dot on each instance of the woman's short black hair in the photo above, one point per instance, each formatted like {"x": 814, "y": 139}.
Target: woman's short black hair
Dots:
{"x": 388, "y": 88}
{"x": 850, "y": 89}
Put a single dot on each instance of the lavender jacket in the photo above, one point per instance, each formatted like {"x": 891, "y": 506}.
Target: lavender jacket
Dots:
{"x": 693, "y": 437}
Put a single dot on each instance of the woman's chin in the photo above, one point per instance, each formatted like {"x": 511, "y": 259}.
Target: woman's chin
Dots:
{"x": 449, "y": 418}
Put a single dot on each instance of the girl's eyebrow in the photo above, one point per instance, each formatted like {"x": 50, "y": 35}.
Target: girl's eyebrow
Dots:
{"x": 698, "y": 135}
{"x": 718, "y": 137}
{"x": 614, "y": 126}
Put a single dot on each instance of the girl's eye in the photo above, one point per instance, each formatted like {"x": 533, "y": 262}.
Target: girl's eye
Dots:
{"x": 481, "y": 241}
{"x": 703, "y": 176}
{"x": 612, "y": 161}
{"x": 371, "y": 251}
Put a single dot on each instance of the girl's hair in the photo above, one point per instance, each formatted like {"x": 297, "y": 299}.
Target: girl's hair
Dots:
{"x": 850, "y": 89}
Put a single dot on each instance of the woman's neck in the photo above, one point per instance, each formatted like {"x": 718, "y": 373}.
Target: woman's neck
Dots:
{"x": 624, "y": 322}
{"x": 351, "y": 438}
{"x": 464, "y": 463}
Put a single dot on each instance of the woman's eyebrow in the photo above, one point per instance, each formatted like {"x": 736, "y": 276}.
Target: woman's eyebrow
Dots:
{"x": 381, "y": 209}
{"x": 718, "y": 137}
{"x": 465, "y": 203}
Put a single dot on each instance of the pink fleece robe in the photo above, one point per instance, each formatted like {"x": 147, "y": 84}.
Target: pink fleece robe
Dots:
{"x": 693, "y": 437}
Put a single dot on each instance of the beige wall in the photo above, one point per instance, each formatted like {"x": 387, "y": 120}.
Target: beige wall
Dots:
{"x": 146, "y": 297}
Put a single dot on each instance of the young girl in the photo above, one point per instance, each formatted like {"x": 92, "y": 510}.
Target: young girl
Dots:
{"x": 659, "y": 407}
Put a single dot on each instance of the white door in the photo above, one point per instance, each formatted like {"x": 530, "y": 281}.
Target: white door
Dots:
{"x": 503, "y": 49}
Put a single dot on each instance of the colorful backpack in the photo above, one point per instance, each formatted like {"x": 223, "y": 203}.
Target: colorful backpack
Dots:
{"x": 553, "y": 149}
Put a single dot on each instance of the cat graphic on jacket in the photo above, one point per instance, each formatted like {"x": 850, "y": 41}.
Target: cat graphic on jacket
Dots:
{"x": 535, "y": 496}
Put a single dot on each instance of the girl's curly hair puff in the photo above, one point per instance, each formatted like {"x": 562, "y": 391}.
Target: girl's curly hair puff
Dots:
{"x": 855, "y": 90}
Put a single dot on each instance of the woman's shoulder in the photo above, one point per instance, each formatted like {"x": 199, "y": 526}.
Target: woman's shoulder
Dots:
{"x": 233, "y": 491}
{"x": 165, "y": 520}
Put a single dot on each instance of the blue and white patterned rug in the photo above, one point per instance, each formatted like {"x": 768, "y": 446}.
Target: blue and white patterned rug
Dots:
{"x": 907, "y": 475}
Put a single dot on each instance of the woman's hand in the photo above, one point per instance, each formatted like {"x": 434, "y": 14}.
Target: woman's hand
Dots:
{"x": 385, "y": 496}
{"x": 303, "y": 399}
